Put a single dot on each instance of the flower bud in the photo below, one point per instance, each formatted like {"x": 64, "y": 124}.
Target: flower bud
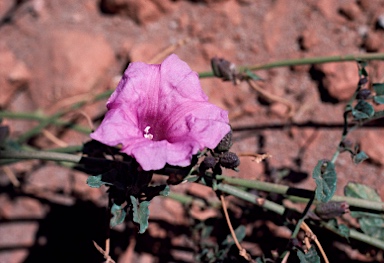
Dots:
{"x": 229, "y": 160}
{"x": 223, "y": 69}
{"x": 225, "y": 144}
{"x": 208, "y": 163}
{"x": 331, "y": 209}
{"x": 363, "y": 94}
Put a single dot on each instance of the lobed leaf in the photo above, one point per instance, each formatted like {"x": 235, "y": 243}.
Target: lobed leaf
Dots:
{"x": 326, "y": 179}
{"x": 140, "y": 213}
{"x": 310, "y": 257}
{"x": 363, "y": 110}
{"x": 359, "y": 157}
{"x": 370, "y": 223}
{"x": 95, "y": 181}
{"x": 118, "y": 215}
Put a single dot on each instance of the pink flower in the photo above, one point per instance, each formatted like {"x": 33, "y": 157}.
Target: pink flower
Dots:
{"x": 160, "y": 114}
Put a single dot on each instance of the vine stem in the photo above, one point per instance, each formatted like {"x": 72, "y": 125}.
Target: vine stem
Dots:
{"x": 304, "y": 61}
{"x": 286, "y": 190}
{"x": 40, "y": 155}
{"x": 242, "y": 250}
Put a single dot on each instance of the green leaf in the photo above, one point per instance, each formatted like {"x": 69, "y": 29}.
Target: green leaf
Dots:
{"x": 166, "y": 191}
{"x": 252, "y": 75}
{"x": 378, "y": 88}
{"x": 140, "y": 213}
{"x": 240, "y": 235}
{"x": 118, "y": 215}
{"x": 359, "y": 157}
{"x": 371, "y": 224}
{"x": 363, "y": 110}
{"x": 310, "y": 257}
{"x": 361, "y": 191}
{"x": 342, "y": 229}
{"x": 95, "y": 181}
{"x": 378, "y": 99}
{"x": 326, "y": 179}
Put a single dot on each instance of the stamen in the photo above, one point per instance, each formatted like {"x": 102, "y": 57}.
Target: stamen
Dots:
{"x": 147, "y": 134}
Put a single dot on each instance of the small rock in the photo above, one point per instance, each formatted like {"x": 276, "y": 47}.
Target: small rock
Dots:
{"x": 142, "y": 12}
{"x": 372, "y": 144}
{"x": 308, "y": 39}
{"x": 79, "y": 63}
{"x": 351, "y": 11}
{"x": 19, "y": 234}
{"x": 373, "y": 42}
{"x": 21, "y": 207}
{"x": 340, "y": 79}
{"x": 13, "y": 74}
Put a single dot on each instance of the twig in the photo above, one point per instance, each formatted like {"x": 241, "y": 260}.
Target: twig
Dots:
{"x": 50, "y": 136}
{"x": 168, "y": 50}
{"x": 242, "y": 250}
{"x": 11, "y": 176}
{"x": 286, "y": 256}
{"x": 273, "y": 97}
{"x": 258, "y": 158}
{"x": 307, "y": 229}
{"x": 106, "y": 252}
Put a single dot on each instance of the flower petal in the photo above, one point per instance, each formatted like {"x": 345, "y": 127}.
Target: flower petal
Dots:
{"x": 167, "y": 101}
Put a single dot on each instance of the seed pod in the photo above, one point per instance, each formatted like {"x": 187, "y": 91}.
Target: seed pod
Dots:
{"x": 229, "y": 160}
{"x": 363, "y": 94}
{"x": 223, "y": 69}
{"x": 225, "y": 144}
{"x": 331, "y": 209}
{"x": 208, "y": 163}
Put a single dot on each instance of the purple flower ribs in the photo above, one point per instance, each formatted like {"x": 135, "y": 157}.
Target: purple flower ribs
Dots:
{"x": 160, "y": 114}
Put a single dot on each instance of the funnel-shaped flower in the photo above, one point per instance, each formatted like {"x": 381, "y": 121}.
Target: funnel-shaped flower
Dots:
{"x": 159, "y": 114}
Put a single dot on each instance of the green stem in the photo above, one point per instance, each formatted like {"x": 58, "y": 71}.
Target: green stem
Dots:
{"x": 304, "y": 61}
{"x": 254, "y": 199}
{"x": 40, "y": 155}
{"x": 358, "y": 236}
{"x": 286, "y": 190}
{"x": 36, "y": 116}
{"x": 279, "y": 209}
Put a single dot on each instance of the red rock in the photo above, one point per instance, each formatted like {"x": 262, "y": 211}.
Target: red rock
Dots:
{"x": 309, "y": 39}
{"x": 21, "y": 208}
{"x": 14, "y": 256}
{"x": 18, "y": 234}
{"x": 80, "y": 62}
{"x": 351, "y": 11}
{"x": 13, "y": 74}
{"x": 340, "y": 79}
{"x": 5, "y": 6}
{"x": 141, "y": 12}
{"x": 372, "y": 144}
{"x": 373, "y": 42}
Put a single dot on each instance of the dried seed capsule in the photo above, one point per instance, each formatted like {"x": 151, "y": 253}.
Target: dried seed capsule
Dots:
{"x": 363, "y": 94}
{"x": 208, "y": 163}
{"x": 229, "y": 160}
{"x": 225, "y": 143}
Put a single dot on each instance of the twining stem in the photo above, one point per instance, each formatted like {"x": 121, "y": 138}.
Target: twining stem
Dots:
{"x": 309, "y": 231}
{"x": 242, "y": 250}
{"x": 279, "y": 209}
{"x": 304, "y": 61}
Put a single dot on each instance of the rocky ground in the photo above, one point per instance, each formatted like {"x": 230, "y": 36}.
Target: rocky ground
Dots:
{"x": 54, "y": 53}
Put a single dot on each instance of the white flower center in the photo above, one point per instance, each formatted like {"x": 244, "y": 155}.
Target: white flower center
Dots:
{"x": 147, "y": 134}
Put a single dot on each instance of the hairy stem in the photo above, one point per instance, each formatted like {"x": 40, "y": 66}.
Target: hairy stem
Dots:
{"x": 304, "y": 61}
